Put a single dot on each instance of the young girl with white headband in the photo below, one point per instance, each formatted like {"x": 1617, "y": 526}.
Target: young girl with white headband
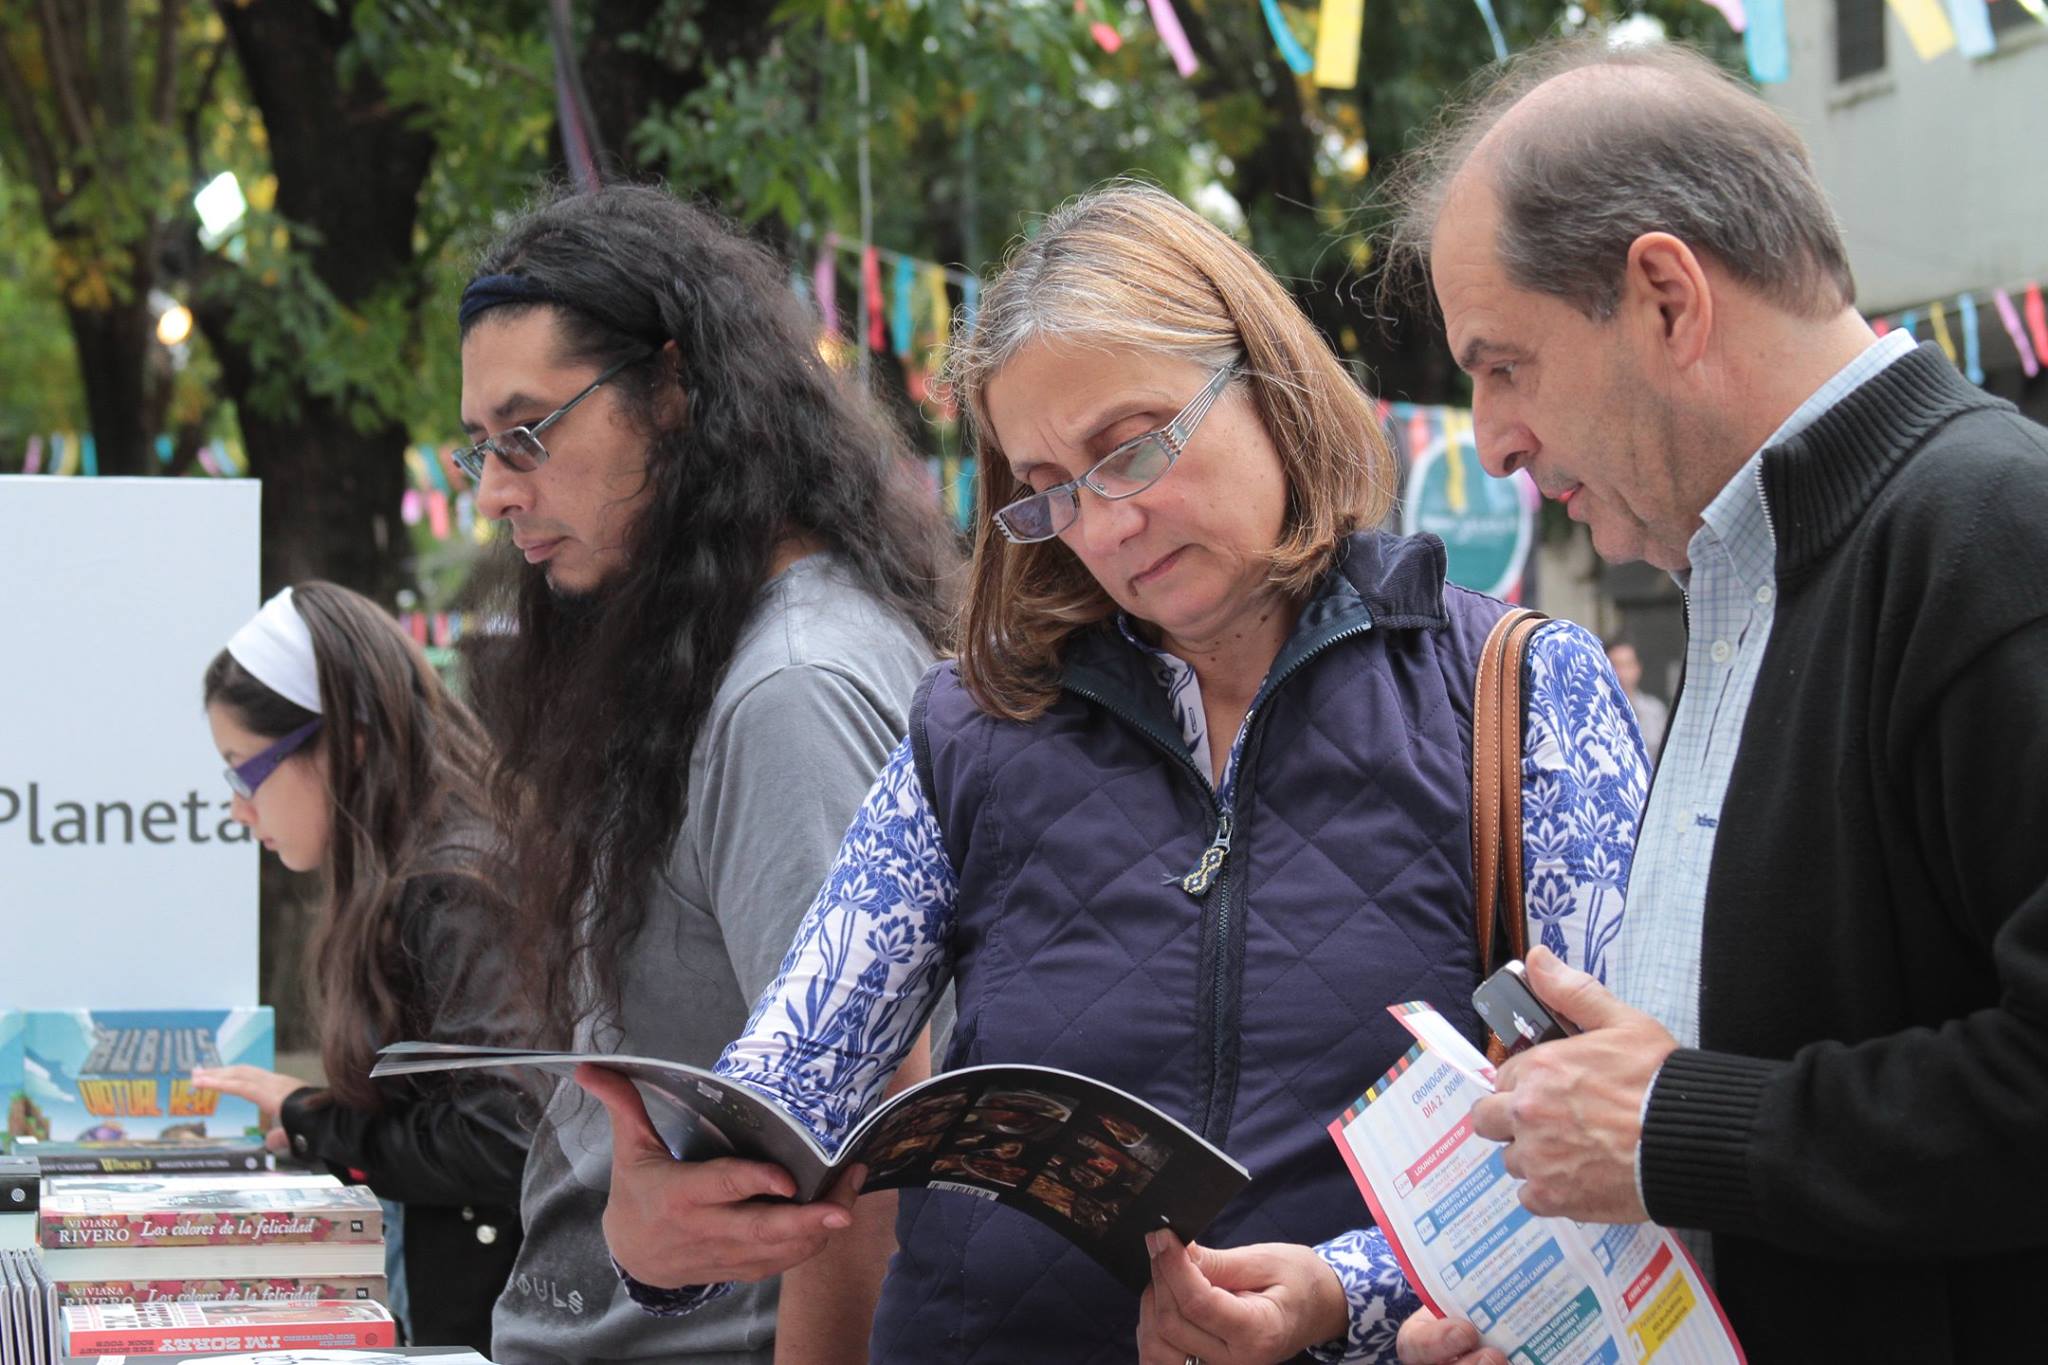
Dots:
{"x": 348, "y": 758}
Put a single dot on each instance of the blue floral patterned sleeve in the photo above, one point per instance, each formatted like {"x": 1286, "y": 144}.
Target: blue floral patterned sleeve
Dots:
{"x": 869, "y": 962}
{"x": 1585, "y": 774}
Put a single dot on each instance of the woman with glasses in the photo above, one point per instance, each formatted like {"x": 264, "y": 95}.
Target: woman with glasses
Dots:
{"x": 1191, "y": 808}
{"x": 348, "y": 758}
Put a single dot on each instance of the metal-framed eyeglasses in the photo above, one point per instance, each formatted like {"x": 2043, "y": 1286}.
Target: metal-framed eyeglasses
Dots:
{"x": 520, "y": 447}
{"x": 1125, "y": 472}
{"x": 245, "y": 777}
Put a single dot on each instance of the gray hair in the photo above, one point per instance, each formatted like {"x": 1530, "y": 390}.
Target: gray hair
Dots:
{"x": 1642, "y": 138}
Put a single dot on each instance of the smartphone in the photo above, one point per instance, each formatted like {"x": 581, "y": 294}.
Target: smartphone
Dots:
{"x": 1513, "y": 1012}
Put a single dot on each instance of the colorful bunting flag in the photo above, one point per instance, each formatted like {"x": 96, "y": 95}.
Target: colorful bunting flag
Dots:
{"x": 1765, "y": 44}
{"x": 1175, "y": 37}
{"x": 2037, "y": 322}
{"x": 963, "y": 515}
{"x": 1731, "y": 10}
{"x": 437, "y": 513}
{"x": 1973, "y": 346}
{"x": 2010, "y": 316}
{"x": 940, "y": 317}
{"x": 1939, "y": 316}
{"x": 871, "y": 297}
{"x": 970, "y": 301}
{"x": 1420, "y": 432}
{"x": 1454, "y": 459}
{"x": 1106, "y": 37}
{"x": 1291, "y": 51}
{"x": 1909, "y": 321}
{"x": 1500, "y": 43}
{"x": 32, "y": 458}
{"x": 1338, "y": 35}
{"x": 902, "y": 320}
{"x": 1972, "y": 23}
{"x": 824, "y": 282}
{"x": 436, "y": 472}
{"x": 90, "y": 455}
{"x": 409, "y": 507}
{"x": 1927, "y": 26}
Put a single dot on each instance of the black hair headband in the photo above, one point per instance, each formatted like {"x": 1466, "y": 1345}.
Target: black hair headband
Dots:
{"x": 486, "y": 292}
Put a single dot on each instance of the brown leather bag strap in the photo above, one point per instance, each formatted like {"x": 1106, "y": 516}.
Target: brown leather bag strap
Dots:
{"x": 1497, "y": 786}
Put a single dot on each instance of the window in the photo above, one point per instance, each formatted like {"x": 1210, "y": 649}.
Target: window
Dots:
{"x": 1859, "y": 37}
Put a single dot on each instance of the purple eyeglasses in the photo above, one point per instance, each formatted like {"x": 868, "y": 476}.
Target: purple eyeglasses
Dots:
{"x": 244, "y": 778}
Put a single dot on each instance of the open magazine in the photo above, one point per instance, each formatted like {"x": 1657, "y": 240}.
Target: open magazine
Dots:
{"x": 1097, "y": 1165}
{"x": 1545, "y": 1291}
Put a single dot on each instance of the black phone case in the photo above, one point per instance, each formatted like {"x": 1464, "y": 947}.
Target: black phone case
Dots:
{"x": 1513, "y": 1012}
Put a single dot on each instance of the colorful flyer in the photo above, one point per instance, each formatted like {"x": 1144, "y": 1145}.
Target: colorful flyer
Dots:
{"x": 1546, "y": 1291}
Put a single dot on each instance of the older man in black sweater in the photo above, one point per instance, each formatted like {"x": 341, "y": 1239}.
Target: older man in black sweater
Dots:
{"x": 1838, "y": 921}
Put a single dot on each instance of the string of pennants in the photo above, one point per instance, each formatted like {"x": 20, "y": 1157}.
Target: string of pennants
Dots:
{"x": 75, "y": 454}
{"x": 913, "y": 318}
{"x": 432, "y": 498}
{"x": 2024, "y": 320}
{"x": 437, "y": 628}
{"x": 1933, "y": 27}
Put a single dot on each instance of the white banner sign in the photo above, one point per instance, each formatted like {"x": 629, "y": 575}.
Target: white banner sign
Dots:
{"x": 123, "y": 883}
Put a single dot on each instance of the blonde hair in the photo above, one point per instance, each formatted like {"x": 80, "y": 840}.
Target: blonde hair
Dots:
{"x": 1130, "y": 267}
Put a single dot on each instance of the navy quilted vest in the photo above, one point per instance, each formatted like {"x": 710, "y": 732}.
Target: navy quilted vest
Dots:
{"x": 1255, "y": 1012}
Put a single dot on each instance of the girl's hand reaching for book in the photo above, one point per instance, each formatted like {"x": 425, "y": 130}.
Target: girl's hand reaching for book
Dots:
{"x": 675, "y": 1223}
{"x": 267, "y": 1090}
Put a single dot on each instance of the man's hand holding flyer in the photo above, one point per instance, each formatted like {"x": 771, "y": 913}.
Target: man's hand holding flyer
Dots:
{"x": 1546, "y": 1291}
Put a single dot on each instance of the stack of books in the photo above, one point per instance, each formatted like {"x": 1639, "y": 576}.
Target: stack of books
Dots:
{"x": 147, "y": 1156}
{"x": 112, "y": 1240}
{"x": 152, "y": 1329}
{"x": 28, "y": 1310}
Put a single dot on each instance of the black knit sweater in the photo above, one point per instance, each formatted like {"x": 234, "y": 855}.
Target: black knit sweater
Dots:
{"x": 1864, "y": 1129}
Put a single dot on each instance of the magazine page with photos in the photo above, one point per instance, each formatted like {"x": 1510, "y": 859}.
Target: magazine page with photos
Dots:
{"x": 1097, "y": 1165}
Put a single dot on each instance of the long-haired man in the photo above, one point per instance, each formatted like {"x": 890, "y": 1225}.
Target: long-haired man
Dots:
{"x": 732, "y": 583}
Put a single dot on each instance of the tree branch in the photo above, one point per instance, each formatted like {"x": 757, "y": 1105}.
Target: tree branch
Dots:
{"x": 64, "y": 58}
{"x": 35, "y": 144}
{"x": 116, "y": 65}
{"x": 197, "y": 111}
{"x": 163, "y": 98}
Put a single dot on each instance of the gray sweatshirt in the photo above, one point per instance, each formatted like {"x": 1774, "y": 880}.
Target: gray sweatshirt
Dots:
{"x": 817, "y": 695}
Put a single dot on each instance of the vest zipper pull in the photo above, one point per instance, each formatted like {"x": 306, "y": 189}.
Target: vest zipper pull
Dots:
{"x": 1198, "y": 882}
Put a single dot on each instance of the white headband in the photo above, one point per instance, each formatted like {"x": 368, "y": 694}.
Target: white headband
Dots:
{"x": 277, "y": 650}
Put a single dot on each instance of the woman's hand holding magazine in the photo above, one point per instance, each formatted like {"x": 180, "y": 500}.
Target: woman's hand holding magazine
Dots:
{"x": 673, "y": 1223}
